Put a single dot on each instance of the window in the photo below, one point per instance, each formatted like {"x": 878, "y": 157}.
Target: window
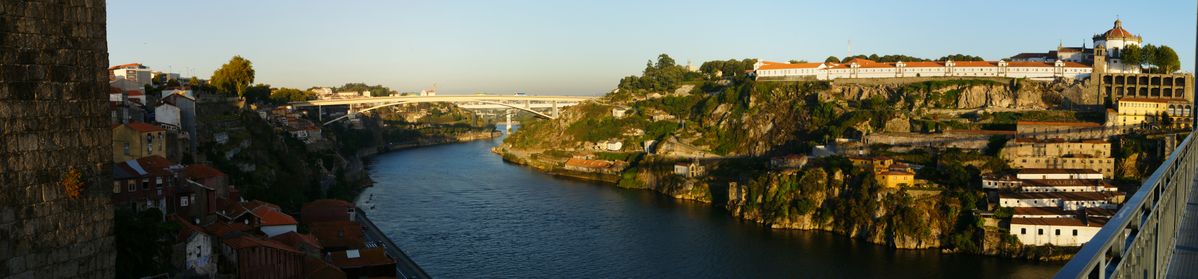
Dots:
{"x": 132, "y": 187}
{"x": 1022, "y": 230}
{"x": 183, "y": 201}
{"x": 116, "y": 187}
{"x": 1058, "y": 232}
{"x": 1075, "y": 232}
{"x": 145, "y": 183}
{"x": 126, "y": 148}
{"x": 158, "y": 182}
{"x": 1039, "y": 231}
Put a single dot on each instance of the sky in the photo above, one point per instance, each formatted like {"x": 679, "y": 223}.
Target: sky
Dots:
{"x": 584, "y": 47}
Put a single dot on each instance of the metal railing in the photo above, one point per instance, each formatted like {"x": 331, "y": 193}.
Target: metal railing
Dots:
{"x": 1138, "y": 241}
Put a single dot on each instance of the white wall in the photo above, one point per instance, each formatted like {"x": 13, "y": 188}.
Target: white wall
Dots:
{"x": 168, "y": 114}
{"x": 1047, "y": 234}
{"x": 199, "y": 254}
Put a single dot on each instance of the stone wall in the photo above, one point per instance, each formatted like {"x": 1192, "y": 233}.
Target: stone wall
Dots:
{"x": 55, "y": 177}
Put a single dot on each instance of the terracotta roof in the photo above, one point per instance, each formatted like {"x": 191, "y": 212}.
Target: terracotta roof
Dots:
{"x": 897, "y": 172}
{"x": 1041, "y": 211}
{"x": 1028, "y": 64}
{"x": 273, "y": 217}
{"x": 114, "y": 90}
{"x": 1075, "y": 65}
{"x": 325, "y": 210}
{"x": 1057, "y": 171}
{"x": 1099, "y": 212}
{"x": 1150, "y": 100}
{"x": 223, "y": 229}
{"x": 130, "y": 65}
{"x": 584, "y": 163}
{"x": 201, "y": 171}
{"x": 780, "y": 66}
{"x": 143, "y": 127}
{"x": 1070, "y": 196}
{"x": 338, "y": 234}
{"x": 135, "y": 93}
{"x": 974, "y": 64}
{"x": 294, "y": 239}
{"x": 1118, "y": 32}
{"x": 153, "y": 165}
{"x": 919, "y": 64}
{"x": 366, "y": 257}
{"x": 318, "y": 269}
{"x": 1076, "y": 222}
{"x": 186, "y": 228}
{"x": 242, "y": 242}
{"x": 1058, "y": 123}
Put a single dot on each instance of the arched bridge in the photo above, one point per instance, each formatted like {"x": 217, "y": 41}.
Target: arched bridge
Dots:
{"x": 524, "y": 103}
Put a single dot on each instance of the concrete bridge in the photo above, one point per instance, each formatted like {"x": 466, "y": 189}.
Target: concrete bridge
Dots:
{"x": 474, "y": 102}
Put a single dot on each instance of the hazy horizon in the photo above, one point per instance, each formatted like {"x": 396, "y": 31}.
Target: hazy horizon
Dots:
{"x": 584, "y": 48}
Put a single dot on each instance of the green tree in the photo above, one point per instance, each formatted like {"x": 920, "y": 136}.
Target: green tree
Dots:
{"x": 257, "y": 93}
{"x": 832, "y": 59}
{"x": 960, "y": 57}
{"x": 285, "y": 95}
{"x": 1132, "y": 55}
{"x": 143, "y": 243}
{"x": 1148, "y": 56}
{"x": 234, "y": 77}
{"x": 1166, "y": 59}
{"x": 796, "y": 61}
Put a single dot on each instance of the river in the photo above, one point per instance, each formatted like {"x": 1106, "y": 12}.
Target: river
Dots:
{"x": 461, "y": 212}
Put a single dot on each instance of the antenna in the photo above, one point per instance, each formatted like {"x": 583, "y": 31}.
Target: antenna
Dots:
{"x": 850, "y": 48}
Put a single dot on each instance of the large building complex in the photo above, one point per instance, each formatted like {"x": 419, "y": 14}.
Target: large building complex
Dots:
{"x": 1060, "y": 154}
{"x": 1064, "y": 62}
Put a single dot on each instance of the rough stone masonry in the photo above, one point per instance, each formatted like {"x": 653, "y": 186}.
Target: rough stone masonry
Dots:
{"x": 55, "y": 140}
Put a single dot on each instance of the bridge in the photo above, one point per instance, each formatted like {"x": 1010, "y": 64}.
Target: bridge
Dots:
{"x": 518, "y": 102}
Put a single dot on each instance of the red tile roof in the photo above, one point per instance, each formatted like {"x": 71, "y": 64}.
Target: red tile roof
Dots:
{"x": 221, "y": 229}
{"x": 317, "y": 269}
{"x": 114, "y": 90}
{"x": 779, "y": 66}
{"x": 1118, "y": 32}
{"x": 294, "y": 239}
{"x": 242, "y": 242}
{"x": 201, "y": 171}
{"x": 273, "y": 217}
{"x": 338, "y": 234}
{"x": 130, "y": 65}
{"x": 325, "y": 210}
{"x": 135, "y": 93}
{"x": 366, "y": 257}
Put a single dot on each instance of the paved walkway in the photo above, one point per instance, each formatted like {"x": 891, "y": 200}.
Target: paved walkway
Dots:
{"x": 1184, "y": 263}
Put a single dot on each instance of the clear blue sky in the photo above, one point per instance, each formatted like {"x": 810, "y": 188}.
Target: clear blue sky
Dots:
{"x": 585, "y": 47}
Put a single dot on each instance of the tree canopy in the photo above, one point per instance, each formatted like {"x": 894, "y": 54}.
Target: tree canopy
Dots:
{"x": 730, "y": 67}
{"x": 832, "y": 59}
{"x": 375, "y": 90}
{"x": 960, "y": 57}
{"x": 1151, "y": 58}
{"x": 285, "y": 95}
{"x": 664, "y": 75}
{"x": 234, "y": 77}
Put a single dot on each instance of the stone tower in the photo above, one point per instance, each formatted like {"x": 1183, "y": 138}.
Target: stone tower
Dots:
{"x": 55, "y": 141}
{"x": 1099, "y": 60}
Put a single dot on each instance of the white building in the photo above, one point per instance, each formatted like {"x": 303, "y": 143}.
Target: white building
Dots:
{"x": 1114, "y": 41}
{"x": 166, "y": 113}
{"x": 618, "y": 112}
{"x": 1056, "y": 231}
{"x": 133, "y": 72}
{"x": 1063, "y": 200}
{"x": 864, "y": 68}
{"x": 188, "y": 93}
{"x": 198, "y": 248}
{"x": 1031, "y": 173}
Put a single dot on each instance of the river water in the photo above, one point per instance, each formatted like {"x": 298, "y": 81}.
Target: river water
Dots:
{"x": 461, "y": 212}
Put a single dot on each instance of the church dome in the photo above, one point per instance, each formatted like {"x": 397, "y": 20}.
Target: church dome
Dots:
{"x": 1118, "y": 32}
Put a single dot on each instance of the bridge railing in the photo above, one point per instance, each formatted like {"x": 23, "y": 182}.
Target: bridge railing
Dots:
{"x": 1138, "y": 241}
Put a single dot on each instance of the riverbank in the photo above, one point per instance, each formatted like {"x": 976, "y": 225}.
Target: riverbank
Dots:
{"x": 518, "y": 219}
{"x": 901, "y": 220}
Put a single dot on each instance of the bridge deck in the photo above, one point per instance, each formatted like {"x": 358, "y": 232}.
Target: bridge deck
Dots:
{"x": 1184, "y": 263}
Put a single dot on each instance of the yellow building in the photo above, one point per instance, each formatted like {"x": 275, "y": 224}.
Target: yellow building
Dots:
{"x": 1139, "y": 111}
{"x": 875, "y": 164}
{"x": 1060, "y": 154}
{"x": 136, "y": 140}
{"x": 895, "y": 179}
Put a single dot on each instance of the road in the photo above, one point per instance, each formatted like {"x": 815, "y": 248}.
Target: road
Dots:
{"x": 404, "y": 266}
